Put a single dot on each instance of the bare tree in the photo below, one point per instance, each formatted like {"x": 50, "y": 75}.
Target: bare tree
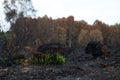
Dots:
{"x": 70, "y": 24}
{"x": 18, "y": 8}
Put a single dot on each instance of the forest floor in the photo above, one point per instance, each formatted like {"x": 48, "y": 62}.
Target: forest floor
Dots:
{"x": 78, "y": 66}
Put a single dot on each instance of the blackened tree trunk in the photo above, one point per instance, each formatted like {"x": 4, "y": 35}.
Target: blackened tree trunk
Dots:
{"x": 69, "y": 38}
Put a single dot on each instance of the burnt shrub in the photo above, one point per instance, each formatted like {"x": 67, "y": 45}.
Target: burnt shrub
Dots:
{"x": 52, "y": 48}
{"x": 96, "y": 49}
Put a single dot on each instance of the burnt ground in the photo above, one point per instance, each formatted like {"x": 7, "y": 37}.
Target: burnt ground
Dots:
{"x": 78, "y": 66}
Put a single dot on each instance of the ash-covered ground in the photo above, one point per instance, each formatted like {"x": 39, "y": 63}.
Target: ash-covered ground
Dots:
{"x": 78, "y": 66}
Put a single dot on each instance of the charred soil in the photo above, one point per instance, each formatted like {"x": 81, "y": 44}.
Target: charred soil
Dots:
{"x": 78, "y": 66}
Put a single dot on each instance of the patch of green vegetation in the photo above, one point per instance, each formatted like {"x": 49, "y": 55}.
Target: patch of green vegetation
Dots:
{"x": 60, "y": 59}
{"x": 10, "y": 61}
{"x": 49, "y": 59}
{"x": 19, "y": 61}
{"x": 46, "y": 59}
{"x": 5, "y": 61}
